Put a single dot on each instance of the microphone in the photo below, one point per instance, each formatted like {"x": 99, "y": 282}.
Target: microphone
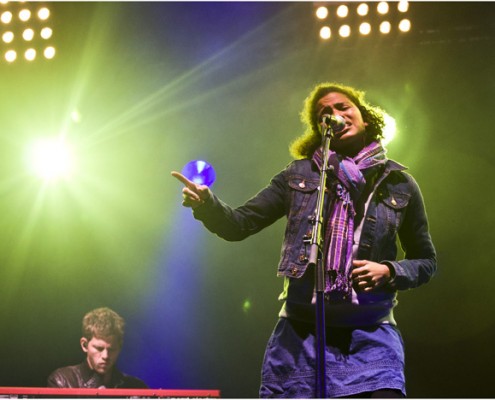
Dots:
{"x": 336, "y": 122}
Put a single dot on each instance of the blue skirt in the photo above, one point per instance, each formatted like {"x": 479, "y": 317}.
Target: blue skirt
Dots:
{"x": 357, "y": 360}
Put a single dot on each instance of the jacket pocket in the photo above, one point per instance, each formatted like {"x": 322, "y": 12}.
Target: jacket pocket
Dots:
{"x": 395, "y": 207}
{"x": 302, "y": 184}
{"x": 396, "y": 201}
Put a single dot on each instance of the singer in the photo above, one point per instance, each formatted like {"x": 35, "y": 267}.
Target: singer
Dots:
{"x": 371, "y": 201}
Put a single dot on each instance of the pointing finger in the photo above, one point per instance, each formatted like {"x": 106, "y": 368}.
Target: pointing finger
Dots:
{"x": 183, "y": 179}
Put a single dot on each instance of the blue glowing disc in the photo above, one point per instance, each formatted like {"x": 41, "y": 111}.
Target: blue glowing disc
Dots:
{"x": 199, "y": 172}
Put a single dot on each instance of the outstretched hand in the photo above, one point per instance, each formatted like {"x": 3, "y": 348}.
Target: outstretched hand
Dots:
{"x": 193, "y": 194}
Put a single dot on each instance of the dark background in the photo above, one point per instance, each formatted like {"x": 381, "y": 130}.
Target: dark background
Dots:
{"x": 160, "y": 84}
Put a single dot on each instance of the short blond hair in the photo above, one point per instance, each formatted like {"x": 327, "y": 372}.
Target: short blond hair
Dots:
{"x": 103, "y": 322}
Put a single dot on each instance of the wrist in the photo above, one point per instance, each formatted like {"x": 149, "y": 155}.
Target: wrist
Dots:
{"x": 391, "y": 269}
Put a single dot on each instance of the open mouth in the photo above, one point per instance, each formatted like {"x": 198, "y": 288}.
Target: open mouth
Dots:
{"x": 342, "y": 132}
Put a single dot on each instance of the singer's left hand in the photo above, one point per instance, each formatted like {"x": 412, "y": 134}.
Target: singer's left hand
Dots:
{"x": 369, "y": 275}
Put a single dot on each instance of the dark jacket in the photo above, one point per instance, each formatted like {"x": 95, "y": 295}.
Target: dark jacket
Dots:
{"x": 81, "y": 376}
{"x": 396, "y": 208}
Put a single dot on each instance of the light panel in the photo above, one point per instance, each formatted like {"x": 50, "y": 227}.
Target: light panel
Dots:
{"x": 26, "y": 32}
{"x": 363, "y": 19}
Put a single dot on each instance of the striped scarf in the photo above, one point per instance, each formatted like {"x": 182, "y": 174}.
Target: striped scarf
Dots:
{"x": 339, "y": 229}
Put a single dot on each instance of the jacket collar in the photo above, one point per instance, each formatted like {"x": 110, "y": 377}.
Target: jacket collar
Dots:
{"x": 92, "y": 379}
{"x": 392, "y": 165}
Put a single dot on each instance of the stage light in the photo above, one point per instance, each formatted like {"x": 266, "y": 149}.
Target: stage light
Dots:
{"x": 24, "y": 15}
{"x": 8, "y": 37}
{"x": 403, "y": 6}
{"x": 46, "y": 33}
{"x": 385, "y": 27}
{"x": 43, "y": 13}
{"x": 365, "y": 28}
{"x": 345, "y": 31}
{"x": 28, "y": 34}
{"x": 322, "y": 12}
{"x": 342, "y": 11}
{"x": 51, "y": 159}
{"x": 10, "y": 56}
{"x": 363, "y": 9}
{"x": 199, "y": 172}
{"x": 405, "y": 25}
{"x": 382, "y": 7}
{"x": 6, "y": 17}
{"x": 49, "y": 52}
{"x": 364, "y": 18}
{"x": 325, "y": 32}
{"x": 28, "y": 21}
{"x": 30, "y": 54}
{"x": 389, "y": 129}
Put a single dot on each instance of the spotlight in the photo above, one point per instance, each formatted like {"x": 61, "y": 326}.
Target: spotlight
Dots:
{"x": 363, "y": 9}
{"x": 382, "y": 7}
{"x": 389, "y": 129}
{"x": 405, "y": 25}
{"x": 385, "y": 27}
{"x": 403, "y": 6}
{"x": 49, "y": 52}
{"x": 43, "y": 13}
{"x": 30, "y": 54}
{"x": 345, "y": 31}
{"x": 10, "y": 56}
{"x": 46, "y": 33}
{"x": 6, "y": 17}
{"x": 199, "y": 172}
{"x": 28, "y": 34}
{"x": 325, "y": 32}
{"x": 322, "y": 12}
{"x": 24, "y": 14}
{"x": 365, "y": 28}
{"x": 342, "y": 11}
{"x": 8, "y": 37}
{"x": 51, "y": 159}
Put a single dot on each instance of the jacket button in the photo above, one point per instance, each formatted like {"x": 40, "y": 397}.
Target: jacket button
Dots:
{"x": 394, "y": 203}
{"x": 302, "y": 185}
{"x": 294, "y": 271}
{"x": 303, "y": 258}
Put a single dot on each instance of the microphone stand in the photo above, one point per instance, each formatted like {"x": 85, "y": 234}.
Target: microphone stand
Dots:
{"x": 316, "y": 259}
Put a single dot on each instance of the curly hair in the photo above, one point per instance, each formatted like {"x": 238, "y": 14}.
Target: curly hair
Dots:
{"x": 305, "y": 145}
{"x": 103, "y": 322}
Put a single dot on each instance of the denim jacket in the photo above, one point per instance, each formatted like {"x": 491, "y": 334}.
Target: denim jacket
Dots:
{"x": 396, "y": 208}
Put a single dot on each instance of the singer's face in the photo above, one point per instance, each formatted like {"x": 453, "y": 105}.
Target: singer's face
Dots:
{"x": 352, "y": 138}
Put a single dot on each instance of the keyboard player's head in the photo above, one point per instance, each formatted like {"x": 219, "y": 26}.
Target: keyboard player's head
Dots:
{"x": 101, "y": 341}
